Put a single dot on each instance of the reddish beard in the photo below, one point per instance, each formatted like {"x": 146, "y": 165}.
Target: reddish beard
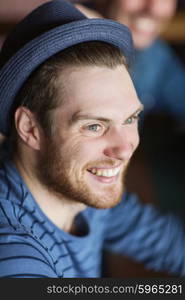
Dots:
{"x": 55, "y": 172}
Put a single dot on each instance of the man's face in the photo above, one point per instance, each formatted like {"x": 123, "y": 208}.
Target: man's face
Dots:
{"x": 95, "y": 136}
{"x": 146, "y": 18}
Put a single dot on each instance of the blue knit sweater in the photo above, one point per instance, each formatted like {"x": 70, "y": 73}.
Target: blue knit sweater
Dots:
{"x": 32, "y": 246}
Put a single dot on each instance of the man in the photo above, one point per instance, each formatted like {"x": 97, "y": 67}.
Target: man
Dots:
{"x": 72, "y": 127}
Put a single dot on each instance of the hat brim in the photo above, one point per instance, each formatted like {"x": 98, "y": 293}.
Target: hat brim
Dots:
{"x": 17, "y": 70}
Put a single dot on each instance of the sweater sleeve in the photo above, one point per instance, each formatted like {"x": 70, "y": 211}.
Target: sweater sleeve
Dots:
{"x": 146, "y": 235}
{"x": 22, "y": 255}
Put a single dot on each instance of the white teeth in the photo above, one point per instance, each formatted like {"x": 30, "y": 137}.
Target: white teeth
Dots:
{"x": 105, "y": 172}
{"x": 93, "y": 171}
{"x": 145, "y": 24}
{"x": 99, "y": 173}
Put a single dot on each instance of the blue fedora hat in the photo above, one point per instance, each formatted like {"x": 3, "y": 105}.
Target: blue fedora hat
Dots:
{"x": 51, "y": 28}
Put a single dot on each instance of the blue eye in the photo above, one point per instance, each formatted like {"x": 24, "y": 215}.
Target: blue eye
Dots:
{"x": 132, "y": 119}
{"x": 129, "y": 121}
{"x": 94, "y": 127}
{"x": 93, "y": 130}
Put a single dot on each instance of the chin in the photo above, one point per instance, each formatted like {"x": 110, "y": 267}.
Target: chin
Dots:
{"x": 141, "y": 42}
{"x": 105, "y": 200}
{"x": 106, "y": 204}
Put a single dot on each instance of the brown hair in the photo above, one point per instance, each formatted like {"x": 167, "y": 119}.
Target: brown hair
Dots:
{"x": 40, "y": 92}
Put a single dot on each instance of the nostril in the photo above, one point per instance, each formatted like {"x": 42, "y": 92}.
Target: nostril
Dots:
{"x": 123, "y": 152}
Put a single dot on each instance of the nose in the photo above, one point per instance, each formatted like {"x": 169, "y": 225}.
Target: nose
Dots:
{"x": 121, "y": 143}
{"x": 134, "y": 6}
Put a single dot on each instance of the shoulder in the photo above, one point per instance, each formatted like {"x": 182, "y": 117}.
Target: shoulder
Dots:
{"x": 161, "y": 50}
{"x": 22, "y": 254}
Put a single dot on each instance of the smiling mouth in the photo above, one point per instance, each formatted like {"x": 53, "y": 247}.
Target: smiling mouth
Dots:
{"x": 144, "y": 25}
{"x": 105, "y": 172}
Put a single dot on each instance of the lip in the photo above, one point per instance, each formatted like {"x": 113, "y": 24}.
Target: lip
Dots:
{"x": 145, "y": 33}
{"x": 104, "y": 167}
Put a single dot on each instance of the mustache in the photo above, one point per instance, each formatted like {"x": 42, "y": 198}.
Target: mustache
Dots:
{"x": 103, "y": 163}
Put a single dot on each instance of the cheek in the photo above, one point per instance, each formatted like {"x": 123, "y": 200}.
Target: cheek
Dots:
{"x": 71, "y": 150}
{"x": 137, "y": 140}
{"x": 80, "y": 151}
{"x": 132, "y": 6}
{"x": 134, "y": 136}
{"x": 90, "y": 149}
{"x": 163, "y": 9}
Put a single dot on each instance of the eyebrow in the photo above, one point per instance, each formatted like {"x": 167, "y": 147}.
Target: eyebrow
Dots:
{"x": 77, "y": 116}
{"x": 139, "y": 110}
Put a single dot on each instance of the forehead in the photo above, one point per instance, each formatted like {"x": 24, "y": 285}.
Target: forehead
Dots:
{"x": 139, "y": 3}
{"x": 98, "y": 90}
{"x": 163, "y": 7}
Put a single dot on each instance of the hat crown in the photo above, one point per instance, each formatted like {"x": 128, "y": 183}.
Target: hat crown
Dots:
{"x": 42, "y": 19}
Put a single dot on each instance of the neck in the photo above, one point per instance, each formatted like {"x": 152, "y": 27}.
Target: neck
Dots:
{"x": 58, "y": 209}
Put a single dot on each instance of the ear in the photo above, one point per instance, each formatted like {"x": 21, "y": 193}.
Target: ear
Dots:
{"x": 27, "y": 127}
